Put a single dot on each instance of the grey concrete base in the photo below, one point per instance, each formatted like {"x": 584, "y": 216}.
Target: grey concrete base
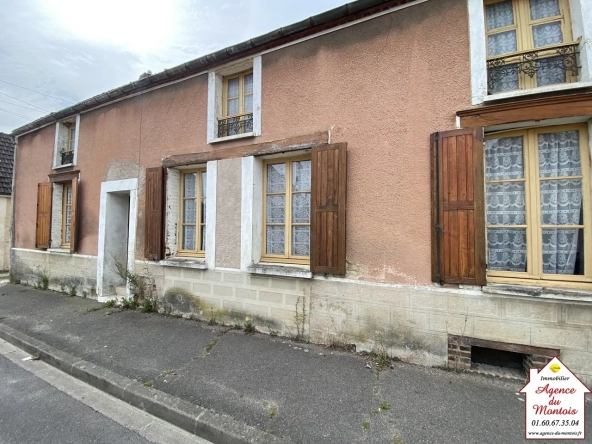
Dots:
{"x": 202, "y": 422}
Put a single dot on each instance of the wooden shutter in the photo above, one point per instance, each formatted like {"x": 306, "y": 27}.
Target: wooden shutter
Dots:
{"x": 458, "y": 214}
{"x": 327, "y": 225}
{"x": 42, "y": 237}
{"x": 154, "y": 228}
{"x": 74, "y": 216}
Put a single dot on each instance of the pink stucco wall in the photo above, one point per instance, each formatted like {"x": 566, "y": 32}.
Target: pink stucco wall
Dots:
{"x": 382, "y": 86}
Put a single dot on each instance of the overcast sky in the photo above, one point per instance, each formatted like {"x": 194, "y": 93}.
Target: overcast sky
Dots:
{"x": 74, "y": 49}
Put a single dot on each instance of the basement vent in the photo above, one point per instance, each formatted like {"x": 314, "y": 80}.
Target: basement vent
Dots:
{"x": 496, "y": 358}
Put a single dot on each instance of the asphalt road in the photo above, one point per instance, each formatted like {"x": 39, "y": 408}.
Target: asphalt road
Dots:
{"x": 35, "y": 411}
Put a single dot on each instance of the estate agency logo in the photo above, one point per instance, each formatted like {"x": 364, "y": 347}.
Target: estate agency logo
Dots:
{"x": 555, "y": 403}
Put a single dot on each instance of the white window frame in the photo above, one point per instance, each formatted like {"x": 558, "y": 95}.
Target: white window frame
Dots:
{"x": 61, "y": 138}
{"x": 581, "y": 24}
{"x": 215, "y": 101}
{"x": 173, "y": 177}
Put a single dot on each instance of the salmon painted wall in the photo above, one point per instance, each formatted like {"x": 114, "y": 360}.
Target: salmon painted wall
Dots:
{"x": 382, "y": 86}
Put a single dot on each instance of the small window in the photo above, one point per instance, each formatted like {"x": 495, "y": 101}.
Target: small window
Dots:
{"x": 66, "y": 215}
{"x": 192, "y": 226}
{"x": 237, "y": 116}
{"x": 538, "y": 215}
{"x": 287, "y": 210}
{"x": 529, "y": 44}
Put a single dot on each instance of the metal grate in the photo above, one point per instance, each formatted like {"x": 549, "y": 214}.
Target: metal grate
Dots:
{"x": 67, "y": 157}
{"x": 235, "y": 125}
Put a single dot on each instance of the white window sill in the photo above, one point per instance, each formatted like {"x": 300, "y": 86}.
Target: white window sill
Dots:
{"x": 236, "y": 136}
{"x": 536, "y": 91}
{"x": 59, "y": 251}
{"x": 285, "y": 270}
{"x": 556, "y": 294}
{"x": 57, "y": 167}
{"x": 197, "y": 264}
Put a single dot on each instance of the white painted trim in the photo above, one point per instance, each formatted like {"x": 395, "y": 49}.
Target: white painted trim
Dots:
{"x": 52, "y": 251}
{"x": 196, "y": 264}
{"x": 130, "y": 185}
{"x": 251, "y": 211}
{"x": 236, "y": 136}
{"x": 59, "y": 167}
{"x": 536, "y": 91}
{"x": 478, "y": 51}
{"x": 55, "y": 145}
{"x": 76, "y": 139}
{"x": 211, "y": 122}
{"x": 257, "y": 85}
{"x": 212, "y": 180}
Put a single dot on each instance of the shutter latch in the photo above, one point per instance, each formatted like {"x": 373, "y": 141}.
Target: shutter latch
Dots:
{"x": 440, "y": 228}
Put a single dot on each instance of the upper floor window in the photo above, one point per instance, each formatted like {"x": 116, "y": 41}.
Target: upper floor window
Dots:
{"x": 529, "y": 44}
{"x": 237, "y": 116}
{"x": 66, "y": 142}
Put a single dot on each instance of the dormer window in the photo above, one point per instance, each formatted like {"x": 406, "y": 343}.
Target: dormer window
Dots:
{"x": 66, "y": 142}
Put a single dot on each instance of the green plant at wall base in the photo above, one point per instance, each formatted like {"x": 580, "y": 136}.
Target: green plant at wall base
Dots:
{"x": 146, "y": 306}
{"x": 249, "y": 327}
{"x": 110, "y": 303}
{"x": 300, "y": 317}
{"x": 72, "y": 289}
{"x": 42, "y": 281}
{"x": 84, "y": 294}
{"x": 129, "y": 304}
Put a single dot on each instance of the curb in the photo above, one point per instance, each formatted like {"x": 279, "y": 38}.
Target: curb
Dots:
{"x": 215, "y": 427}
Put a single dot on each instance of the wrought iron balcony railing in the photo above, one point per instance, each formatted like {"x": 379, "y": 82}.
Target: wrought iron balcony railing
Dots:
{"x": 67, "y": 157}
{"x": 235, "y": 125}
{"x": 550, "y": 66}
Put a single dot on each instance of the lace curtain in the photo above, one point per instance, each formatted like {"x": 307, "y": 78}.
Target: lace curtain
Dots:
{"x": 561, "y": 199}
{"x": 506, "y": 204}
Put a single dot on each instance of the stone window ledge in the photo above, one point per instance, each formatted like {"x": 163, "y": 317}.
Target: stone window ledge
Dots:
{"x": 66, "y": 165}
{"x": 291, "y": 270}
{"x": 233, "y": 137}
{"x": 184, "y": 263}
{"x": 59, "y": 251}
{"x": 554, "y": 294}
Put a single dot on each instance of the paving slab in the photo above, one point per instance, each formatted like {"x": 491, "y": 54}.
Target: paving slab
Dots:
{"x": 301, "y": 392}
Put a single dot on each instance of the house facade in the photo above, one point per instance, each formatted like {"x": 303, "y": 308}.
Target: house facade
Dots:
{"x": 6, "y": 164}
{"x": 406, "y": 176}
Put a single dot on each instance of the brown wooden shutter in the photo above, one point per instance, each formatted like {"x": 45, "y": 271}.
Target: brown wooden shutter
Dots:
{"x": 42, "y": 237}
{"x": 458, "y": 214}
{"x": 74, "y": 217}
{"x": 327, "y": 224}
{"x": 153, "y": 234}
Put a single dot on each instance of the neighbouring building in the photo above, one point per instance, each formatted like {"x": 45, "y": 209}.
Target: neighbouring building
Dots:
{"x": 408, "y": 176}
{"x": 6, "y": 163}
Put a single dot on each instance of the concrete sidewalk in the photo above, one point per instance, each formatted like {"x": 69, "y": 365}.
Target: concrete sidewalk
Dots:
{"x": 256, "y": 388}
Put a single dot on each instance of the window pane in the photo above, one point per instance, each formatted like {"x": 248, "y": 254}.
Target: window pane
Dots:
{"x": 563, "y": 251}
{"x": 67, "y": 235}
{"x": 189, "y": 211}
{"x": 301, "y": 241}
{"x": 559, "y": 154}
{"x": 68, "y": 215}
{"x": 249, "y": 83}
{"x": 69, "y": 195}
{"x": 203, "y": 238}
{"x": 551, "y": 71}
{"x": 189, "y": 237}
{"x": 506, "y": 203}
{"x": 301, "y": 175}
{"x": 203, "y": 211}
{"x": 276, "y": 208}
{"x": 503, "y": 78}
{"x": 275, "y": 240}
{"x": 561, "y": 202}
{"x": 204, "y": 184}
{"x": 501, "y": 43}
{"x": 248, "y": 104}
{"x": 547, "y": 34}
{"x": 276, "y": 178}
{"x": 233, "y": 87}
{"x": 506, "y": 249}
{"x": 544, "y": 8}
{"x": 233, "y": 107}
{"x": 504, "y": 158}
{"x": 499, "y": 15}
{"x": 72, "y": 138}
{"x": 189, "y": 181}
{"x": 301, "y": 208}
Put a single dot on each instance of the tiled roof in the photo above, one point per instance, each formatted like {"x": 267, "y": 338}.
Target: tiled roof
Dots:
{"x": 6, "y": 162}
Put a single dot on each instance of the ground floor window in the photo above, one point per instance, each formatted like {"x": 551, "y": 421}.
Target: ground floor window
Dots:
{"x": 537, "y": 186}
{"x": 66, "y": 215}
{"x": 286, "y": 210}
{"x": 192, "y": 225}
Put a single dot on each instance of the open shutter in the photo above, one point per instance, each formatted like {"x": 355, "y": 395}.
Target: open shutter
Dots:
{"x": 74, "y": 217}
{"x": 42, "y": 237}
{"x": 327, "y": 224}
{"x": 458, "y": 215}
{"x": 153, "y": 234}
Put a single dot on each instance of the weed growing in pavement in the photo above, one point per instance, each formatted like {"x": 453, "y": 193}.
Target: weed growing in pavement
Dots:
{"x": 148, "y": 384}
{"x": 273, "y": 412}
{"x": 91, "y": 309}
{"x": 110, "y": 303}
{"x": 42, "y": 281}
{"x": 384, "y": 405}
{"x": 72, "y": 289}
{"x": 396, "y": 439}
{"x": 146, "y": 306}
{"x": 365, "y": 425}
{"x": 249, "y": 328}
{"x": 129, "y": 304}
{"x": 84, "y": 294}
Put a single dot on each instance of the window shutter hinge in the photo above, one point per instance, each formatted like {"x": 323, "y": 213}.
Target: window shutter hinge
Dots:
{"x": 440, "y": 228}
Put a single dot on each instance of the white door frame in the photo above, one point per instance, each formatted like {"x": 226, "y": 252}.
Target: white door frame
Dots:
{"x": 130, "y": 185}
